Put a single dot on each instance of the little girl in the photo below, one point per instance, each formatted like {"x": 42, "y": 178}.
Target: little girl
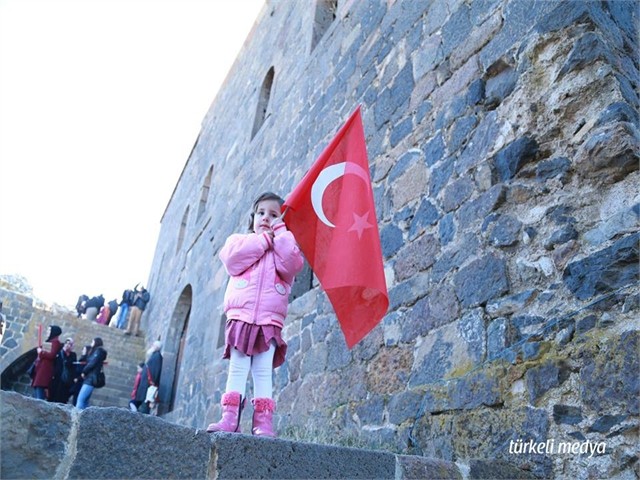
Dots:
{"x": 262, "y": 266}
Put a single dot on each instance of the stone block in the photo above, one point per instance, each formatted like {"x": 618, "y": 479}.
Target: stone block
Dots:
{"x": 567, "y": 414}
{"x": 460, "y": 131}
{"x": 416, "y": 257}
{"x": 426, "y": 215}
{"x": 412, "y": 467}
{"x": 604, "y": 271}
{"x": 480, "y": 207}
{"x": 500, "y": 86}
{"x": 391, "y": 240}
{"x": 510, "y": 159}
{"x": 480, "y": 144}
{"x": 411, "y": 185}
{"x": 610, "y": 153}
{"x": 34, "y": 436}
{"x": 496, "y": 470}
{"x": 555, "y": 167}
{"x": 404, "y": 406}
{"x": 434, "y": 149}
{"x": 609, "y": 376}
{"x": 110, "y": 440}
{"x": 456, "y": 193}
{"x": 440, "y": 175}
{"x": 586, "y": 51}
{"x": 446, "y": 229}
{"x": 482, "y": 280}
{"x": 541, "y": 379}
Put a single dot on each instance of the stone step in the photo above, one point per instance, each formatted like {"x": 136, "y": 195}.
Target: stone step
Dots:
{"x": 116, "y": 443}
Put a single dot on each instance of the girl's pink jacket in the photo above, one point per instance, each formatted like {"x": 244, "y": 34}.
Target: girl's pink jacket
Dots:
{"x": 262, "y": 272}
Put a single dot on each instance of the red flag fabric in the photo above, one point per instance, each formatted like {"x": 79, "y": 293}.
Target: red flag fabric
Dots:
{"x": 332, "y": 215}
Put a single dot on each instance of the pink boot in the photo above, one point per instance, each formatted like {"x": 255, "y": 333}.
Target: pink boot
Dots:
{"x": 232, "y": 405}
{"x": 263, "y": 409}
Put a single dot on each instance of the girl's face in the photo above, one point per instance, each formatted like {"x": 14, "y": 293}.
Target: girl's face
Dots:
{"x": 266, "y": 212}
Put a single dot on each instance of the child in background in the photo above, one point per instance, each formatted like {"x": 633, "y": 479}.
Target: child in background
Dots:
{"x": 133, "y": 403}
{"x": 262, "y": 265}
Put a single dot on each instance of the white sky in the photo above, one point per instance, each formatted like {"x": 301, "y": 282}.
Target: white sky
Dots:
{"x": 101, "y": 102}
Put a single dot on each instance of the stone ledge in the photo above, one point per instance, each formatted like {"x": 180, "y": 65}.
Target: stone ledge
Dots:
{"x": 45, "y": 440}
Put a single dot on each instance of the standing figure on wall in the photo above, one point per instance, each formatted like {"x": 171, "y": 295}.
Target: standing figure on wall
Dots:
{"x": 140, "y": 299}
{"x": 262, "y": 266}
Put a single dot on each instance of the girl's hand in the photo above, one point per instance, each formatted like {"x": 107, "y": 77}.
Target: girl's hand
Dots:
{"x": 276, "y": 221}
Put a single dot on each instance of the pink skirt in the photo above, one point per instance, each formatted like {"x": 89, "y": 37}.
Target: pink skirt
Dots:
{"x": 252, "y": 339}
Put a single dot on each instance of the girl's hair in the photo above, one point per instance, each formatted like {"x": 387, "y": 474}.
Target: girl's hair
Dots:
{"x": 261, "y": 198}
{"x": 97, "y": 342}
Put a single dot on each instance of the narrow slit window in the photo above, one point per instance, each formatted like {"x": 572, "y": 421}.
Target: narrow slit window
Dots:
{"x": 204, "y": 194}
{"x": 324, "y": 17}
{"x": 183, "y": 229}
{"x": 263, "y": 102}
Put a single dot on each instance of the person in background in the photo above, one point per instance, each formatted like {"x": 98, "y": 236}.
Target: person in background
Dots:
{"x": 93, "y": 306}
{"x": 133, "y": 403}
{"x": 81, "y": 305}
{"x": 46, "y": 363}
{"x": 79, "y": 366}
{"x": 103, "y": 315}
{"x": 89, "y": 375}
{"x": 65, "y": 373}
{"x": 125, "y": 304}
{"x": 140, "y": 299}
{"x": 112, "y": 320}
{"x": 150, "y": 376}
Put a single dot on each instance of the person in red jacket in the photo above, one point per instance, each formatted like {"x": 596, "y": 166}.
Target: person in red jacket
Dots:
{"x": 133, "y": 403}
{"x": 262, "y": 265}
{"x": 45, "y": 363}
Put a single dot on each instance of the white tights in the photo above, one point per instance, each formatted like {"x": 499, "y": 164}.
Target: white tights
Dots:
{"x": 261, "y": 366}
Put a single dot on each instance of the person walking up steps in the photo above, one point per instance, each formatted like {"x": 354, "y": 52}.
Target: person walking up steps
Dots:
{"x": 262, "y": 266}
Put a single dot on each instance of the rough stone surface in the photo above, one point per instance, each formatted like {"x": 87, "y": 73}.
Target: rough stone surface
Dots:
{"x": 110, "y": 443}
{"x": 606, "y": 270}
{"x": 482, "y": 280}
{"x": 39, "y": 444}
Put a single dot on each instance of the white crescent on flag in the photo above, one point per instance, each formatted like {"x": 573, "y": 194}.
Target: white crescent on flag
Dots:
{"x": 328, "y": 175}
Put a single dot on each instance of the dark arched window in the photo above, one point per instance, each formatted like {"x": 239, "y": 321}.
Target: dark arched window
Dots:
{"x": 324, "y": 17}
{"x": 263, "y": 102}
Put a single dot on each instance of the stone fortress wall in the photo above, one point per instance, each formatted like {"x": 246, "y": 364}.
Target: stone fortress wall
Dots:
{"x": 503, "y": 146}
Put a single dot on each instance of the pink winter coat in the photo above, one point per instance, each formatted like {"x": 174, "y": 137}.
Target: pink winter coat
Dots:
{"x": 262, "y": 272}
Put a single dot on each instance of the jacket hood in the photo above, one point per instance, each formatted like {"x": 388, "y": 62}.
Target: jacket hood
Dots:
{"x": 56, "y": 331}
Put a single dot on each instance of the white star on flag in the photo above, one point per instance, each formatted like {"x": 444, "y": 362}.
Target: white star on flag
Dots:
{"x": 360, "y": 224}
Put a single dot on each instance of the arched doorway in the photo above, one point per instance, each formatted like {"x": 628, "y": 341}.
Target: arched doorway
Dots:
{"x": 15, "y": 377}
{"x": 174, "y": 347}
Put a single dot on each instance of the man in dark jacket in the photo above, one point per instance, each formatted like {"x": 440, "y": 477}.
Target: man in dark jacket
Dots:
{"x": 140, "y": 299}
{"x": 150, "y": 376}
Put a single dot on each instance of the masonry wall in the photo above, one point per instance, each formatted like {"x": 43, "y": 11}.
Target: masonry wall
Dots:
{"x": 503, "y": 146}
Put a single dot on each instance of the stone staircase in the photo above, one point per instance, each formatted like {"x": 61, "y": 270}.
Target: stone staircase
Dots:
{"x": 124, "y": 354}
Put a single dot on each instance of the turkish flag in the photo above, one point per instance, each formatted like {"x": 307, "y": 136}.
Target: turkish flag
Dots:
{"x": 333, "y": 218}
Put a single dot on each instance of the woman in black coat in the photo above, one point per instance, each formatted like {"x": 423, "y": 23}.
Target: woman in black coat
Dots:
{"x": 150, "y": 376}
{"x": 90, "y": 372}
